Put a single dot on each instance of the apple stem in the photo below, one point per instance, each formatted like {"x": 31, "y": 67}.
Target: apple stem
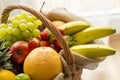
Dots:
{"x": 19, "y": 52}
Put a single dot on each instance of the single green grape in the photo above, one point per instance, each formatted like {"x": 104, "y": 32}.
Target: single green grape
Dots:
{"x": 36, "y": 32}
{"x": 31, "y": 26}
{"x": 29, "y": 18}
{"x": 27, "y": 33}
{"x": 24, "y": 14}
{"x": 38, "y": 23}
{"x": 3, "y": 31}
{"x": 34, "y": 18}
{"x": 9, "y": 30}
{"x": 23, "y": 26}
{"x": 15, "y": 23}
{"x": 16, "y": 31}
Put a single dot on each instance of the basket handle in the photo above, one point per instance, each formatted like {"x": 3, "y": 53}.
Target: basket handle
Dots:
{"x": 46, "y": 22}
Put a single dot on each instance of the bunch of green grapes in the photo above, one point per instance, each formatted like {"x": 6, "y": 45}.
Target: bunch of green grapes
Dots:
{"x": 21, "y": 27}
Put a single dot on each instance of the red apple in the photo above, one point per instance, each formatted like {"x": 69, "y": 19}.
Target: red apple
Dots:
{"x": 33, "y": 43}
{"x": 19, "y": 51}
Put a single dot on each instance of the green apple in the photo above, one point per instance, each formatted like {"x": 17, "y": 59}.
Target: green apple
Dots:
{"x": 22, "y": 76}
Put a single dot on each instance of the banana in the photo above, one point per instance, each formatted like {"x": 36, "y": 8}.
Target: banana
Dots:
{"x": 93, "y": 50}
{"x": 91, "y": 33}
{"x": 74, "y": 26}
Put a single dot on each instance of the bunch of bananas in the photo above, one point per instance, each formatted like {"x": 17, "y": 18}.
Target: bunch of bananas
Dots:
{"x": 82, "y": 33}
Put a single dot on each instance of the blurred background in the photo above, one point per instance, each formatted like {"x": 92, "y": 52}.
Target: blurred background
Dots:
{"x": 98, "y": 13}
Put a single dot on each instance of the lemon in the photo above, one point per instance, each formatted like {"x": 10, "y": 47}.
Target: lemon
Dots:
{"x": 6, "y": 75}
{"x": 42, "y": 63}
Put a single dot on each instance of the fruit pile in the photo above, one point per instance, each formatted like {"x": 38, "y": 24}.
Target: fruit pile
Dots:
{"x": 21, "y": 27}
{"x": 32, "y": 54}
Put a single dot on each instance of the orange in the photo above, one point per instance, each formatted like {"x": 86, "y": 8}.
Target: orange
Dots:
{"x": 58, "y": 23}
{"x": 42, "y": 63}
{"x": 6, "y": 75}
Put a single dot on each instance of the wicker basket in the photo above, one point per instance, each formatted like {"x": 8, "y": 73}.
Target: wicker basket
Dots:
{"x": 68, "y": 57}
{"x": 46, "y": 22}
